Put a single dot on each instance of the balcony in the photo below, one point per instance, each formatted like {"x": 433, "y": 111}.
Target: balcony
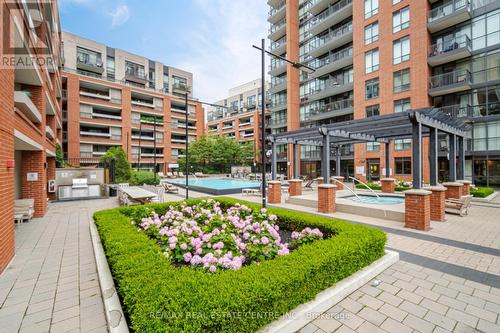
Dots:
{"x": 451, "y": 82}
{"x": 455, "y": 49}
{"x": 471, "y": 111}
{"x": 449, "y": 14}
{"x": 330, "y": 110}
{"x": 49, "y": 132}
{"x": 95, "y": 94}
{"x": 182, "y": 87}
{"x": 279, "y": 47}
{"x": 333, "y": 62}
{"x": 86, "y": 64}
{"x": 142, "y": 137}
{"x": 278, "y": 105}
{"x": 336, "y": 38}
{"x": 95, "y": 134}
{"x": 278, "y": 84}
{"x": 247, "y": 123}
{"x": 277, "y": 13}
{"x": 143, "y": 103}
{"x": 23, "y": 102}
{"x": 136, "y": 76}
{"x": 277, "y": 30}
{"x": 333, "y": 15}
{"x": 100, "y": 115}
{"x": 277, "y": 123}
{"x": 326, "y": 88}
{"x": 317, "y": 6}
{"x": 278, "y": 67}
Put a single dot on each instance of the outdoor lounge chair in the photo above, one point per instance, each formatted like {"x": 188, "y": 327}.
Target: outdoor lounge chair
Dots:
{"x": 200, "y": 175}
{"x": 308, "y": 185}
{"x": 180, "y": 174}
{"x": 161, "y": 175}
{"x": 24, "y": 209}
{"x": 169, "y": 188}
{"x": 170, "y": 175}
{"x": 459, "y": 205}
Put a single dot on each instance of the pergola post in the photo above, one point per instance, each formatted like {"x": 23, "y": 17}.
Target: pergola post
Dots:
{"x": 273, "y": 160}
{"x": 417, "y": 155}
{"x": 461, "y": 158}
{"x": 452, "y": 158}
{"x": 337, "y": 161}
{"x": 388, "y": 159}
{"x": 325, "y": 159}
{"x": 433, "y": 156}
{"x": 296, "y": 156}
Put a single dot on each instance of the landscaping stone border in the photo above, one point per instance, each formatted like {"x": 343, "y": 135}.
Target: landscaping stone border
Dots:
{"x": 114, "y": 313}
{"x": 301, "y": 315}
{"x": 487, "y": 199}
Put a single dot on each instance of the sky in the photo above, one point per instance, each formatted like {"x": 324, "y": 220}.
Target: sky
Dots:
{"x": 210, "y": 38}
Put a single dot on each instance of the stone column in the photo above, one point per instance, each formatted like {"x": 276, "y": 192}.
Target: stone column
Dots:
{"x": 388, "y": 185}
{"x": 326, "y": 198}
{"x": 340, "y": 186}
{"x": 453, "y": 190}
{"x": 295, "y": 187}
{"x": 274, "y": 192}
{"x": 418, "y": 209}
{"x": 466, "y": 188}
{"x": 319, "y": 180}
{"x": 438, "y": 197}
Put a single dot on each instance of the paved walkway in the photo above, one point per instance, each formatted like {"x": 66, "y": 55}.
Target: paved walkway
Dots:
{"x": 52, "y": 285}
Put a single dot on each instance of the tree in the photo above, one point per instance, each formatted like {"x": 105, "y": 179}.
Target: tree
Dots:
{"x": 59, "y": 156}
{"x": 123, "y": 170}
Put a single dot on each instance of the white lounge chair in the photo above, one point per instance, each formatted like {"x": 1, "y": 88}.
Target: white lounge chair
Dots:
{"x": 200, "y": 175}
{"x": 24, "y": 209}
{"x": 460, "y": 206}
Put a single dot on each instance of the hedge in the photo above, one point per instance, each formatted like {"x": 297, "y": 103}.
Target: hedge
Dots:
{"x": 158, "y": 297}
{"x": 376, "y": 187}
{"x": 481, "y": 192}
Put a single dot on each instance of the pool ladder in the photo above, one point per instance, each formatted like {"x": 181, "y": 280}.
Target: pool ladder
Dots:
{"x": 364, "y": 184}
{"x": 347, "y": 187}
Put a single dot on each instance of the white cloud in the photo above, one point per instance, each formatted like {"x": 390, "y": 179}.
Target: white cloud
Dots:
{"x": 119, "y": 15}
{"x": 220, "y": 46}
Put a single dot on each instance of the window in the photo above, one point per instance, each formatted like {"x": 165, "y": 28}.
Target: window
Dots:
{"x": 251, "y": 101}
{"x": 371, "y": 33}
{"x": 165, "y": 82}
{"x": 371, "y": 61}
{"x": 401, "y": 19}
{"x": 486, "y": 30}
{"x": 152, "y": 78}
{"x": 395, "y": 1}
{"x": 403, "y": 165}
{"x": 135, "y": 70}
{"x": 402, "y": 144}
{"x": 402, "y": 105}
{"x": 371, "y": 88}
{"x": 371, "y": 8}
{"x": 372, "y": 110}
{"x": 88, "y": 57}
{"x": 373, "y": 146}
{"x": 400, "y": 50}
{"x": 401, "y": 80}
{"x": 110, "y": 67}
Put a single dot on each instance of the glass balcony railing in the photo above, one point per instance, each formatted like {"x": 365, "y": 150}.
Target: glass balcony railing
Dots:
{"x": 451, "y": 78}
{"x": 339, "y": 55}
{"x": 276, "y": 81}
{"x": 278, "y": 43}
{"x": 323, "y": 85}
{"x": 276, "y": 63}
{"x": 320, "y": 41}
{"x": 447, "y": 8}
{"x": 89, "y": 61}
{"x": 443, "y": 47}
{"x": 279, "y": 7}
{"x": 471, "y": 111}
{"x": 277, "y": 26}
{"x": 337, "y": 105}
{"x": 332, "y": 10}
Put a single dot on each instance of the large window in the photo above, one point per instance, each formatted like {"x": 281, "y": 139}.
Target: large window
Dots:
{"x": 401, "y": 80}
{"x": 402, "y": 105}
{"x": 371, "y": 8}
{"x": 372, "y": 110}
{"x": 110, "y": 67}
{"x": 371, "y": 88}
{"x": 486, "y": 30}
{"x": 402, "y": 144}
{"x": 134, "y": 69}
{"x": 401, "y": 19}
{"x": 373, "y": 146}
{"x": 371, "y": 33}
{"x": 403, "y": 165}
{"x": 371, "y": 61}
{"x": 88, "y": 57}
{"x": 401, "y": 50}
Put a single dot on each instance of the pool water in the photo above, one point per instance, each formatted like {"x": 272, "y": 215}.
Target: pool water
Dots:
{"x": 218, "y": 184}
{"x": 382, "y": 200}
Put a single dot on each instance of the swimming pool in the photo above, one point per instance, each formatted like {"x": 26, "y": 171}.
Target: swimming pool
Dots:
{"x": 217, "y": 186}
{"x": 381, "y": 200}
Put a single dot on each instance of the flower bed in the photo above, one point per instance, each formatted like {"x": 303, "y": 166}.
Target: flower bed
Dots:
{"x": 159, "y": 295}
{"x": 399, "y": 185}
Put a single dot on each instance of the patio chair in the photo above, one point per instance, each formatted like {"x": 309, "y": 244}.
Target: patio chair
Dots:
{"x": 200, "y": 175}
{"x": 24, "y": 209}
{"x": 170, "y": 175}
{"x": 161, "y": 175}
{"x": 308, "y": 185}
{"x": 169, "y": 188}
{"x": 459, "y": 205}
{"x": 180, "y": 174}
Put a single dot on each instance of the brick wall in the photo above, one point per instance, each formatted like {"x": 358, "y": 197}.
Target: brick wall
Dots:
{"x": 418, "y": 211}
{"x": 33, "y": 162}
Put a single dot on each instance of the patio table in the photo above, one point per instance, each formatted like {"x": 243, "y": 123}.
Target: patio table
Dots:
{"x": 138, "y": 194}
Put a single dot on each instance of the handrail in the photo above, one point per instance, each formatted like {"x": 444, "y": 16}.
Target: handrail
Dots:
{"x": 366, "y": 185}
{"x": 347, "y": 187}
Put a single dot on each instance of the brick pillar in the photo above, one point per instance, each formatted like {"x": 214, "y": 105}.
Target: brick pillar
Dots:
{"x": 51, "y": 174}
{"x": 466, "y": 188}
{"x": 295, "y": 187}
{"x": 33, "y": 162}
{"x": 274, "y": 192}
{"x": 438, "y": 197}
{"x": 339, "y": 183}
{"x": 453, "y": 190}
{"x": 388, "y": 185}
{"x": 418, "y": 209}
{"x": 326, "y": 198}
{"x": 319, "y": 180}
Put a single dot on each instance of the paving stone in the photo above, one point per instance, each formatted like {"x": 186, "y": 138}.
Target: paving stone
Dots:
{"x": 40, "y": 327}
{"x": 350, "y": 319}
{"x": 66, "y": 325}
{"x": 393, "y": 312}
{"x": 351, "y": 305}
{"x": 477, "y": 285}
{"x": 462, "y": 317}
{"x": 372, "y": 316}
{"x": 422, "y": 283}
{"x": 427, "y": 293}
{"x": 367, "y": 289}
{"x": 392, "y": 326}
{"x": 403, "y": 276}
{"x": 492, "y": 307}
{"x": 390, "y": 298}
{"x": 440, "y": 320}
{"x": 445, "y": 291}
{"x": 488, "y": 327}
{"x": 461, "y": 287}
{"x": 438, "y": 280}
{"x": 481, "y": 313}
{"x": 44, "y": 305}
{"x": 480, "y": 303}
{"x": 327, "y": 324}
{"x": 434, "y": 306}
{"x": 37, "y": 317}
{"x": 389, "y": 288}
{"x": 418, "y": 324}
{"x": 368, "y": 327}
{"x": 452, "y": 302}
{"x": 370, "y": 301}
{"x": 344, "y": 329}
{"x": 409, "y": 296}
{"x": 415, "y": 309}
{"x": 486, "y": 296}
{"x": 309, "y": 328}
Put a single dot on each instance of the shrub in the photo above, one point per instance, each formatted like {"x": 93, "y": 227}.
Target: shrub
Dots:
{"x": 123, "y": 171}
{"x": 159, "y": 297}
{"x": 481, "y": 192}
{"x": 140, "y": 177}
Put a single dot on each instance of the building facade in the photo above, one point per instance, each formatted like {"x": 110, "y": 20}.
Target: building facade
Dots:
{"x": 30, "y": 109}
{"x": 378, "y": 57}
{"x": 115, "y": 98}
{"x": 240, "y": 115}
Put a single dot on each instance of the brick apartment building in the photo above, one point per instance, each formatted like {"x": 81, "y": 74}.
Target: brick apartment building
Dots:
{"x": 114, "y": 98}
{"x": 377, "y": 57}
{"x": 240, "y": 114}
{"x": 30, "y": 109}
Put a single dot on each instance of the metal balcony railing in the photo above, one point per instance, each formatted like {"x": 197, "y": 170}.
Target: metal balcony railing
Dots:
{"x": 278, "y": 25}
{"x": 323, "y": 85}
{"x": 339, "y": 55}
{"x": 443, "y": 47}
{"x": 451, "y": 78}
{"x": 337, "y": 105}
{"x": 346, "y": 28}
{"x": 447, "y": 8}
{"x": 278, "y": 43}
{"x": 333, "y": 9}
{"x": 280, "y": 6}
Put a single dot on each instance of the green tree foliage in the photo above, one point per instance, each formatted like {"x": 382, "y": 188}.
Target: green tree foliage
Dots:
{"x": 59, "y": 156}
{"x": 216, "y": 154}
{"x": 123, "y": 171}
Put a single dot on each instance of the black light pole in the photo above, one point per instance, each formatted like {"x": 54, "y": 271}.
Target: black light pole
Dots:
{"x": 154, "y": 147}
{"x": 186, "y": 152}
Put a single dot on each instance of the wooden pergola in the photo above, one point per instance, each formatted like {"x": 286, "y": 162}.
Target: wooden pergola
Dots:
{"x": 414, "y": 124}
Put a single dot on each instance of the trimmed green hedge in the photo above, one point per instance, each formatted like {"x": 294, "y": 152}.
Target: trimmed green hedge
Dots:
{"x": 158, "y": 297}
{"x": 481, "y": 192}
